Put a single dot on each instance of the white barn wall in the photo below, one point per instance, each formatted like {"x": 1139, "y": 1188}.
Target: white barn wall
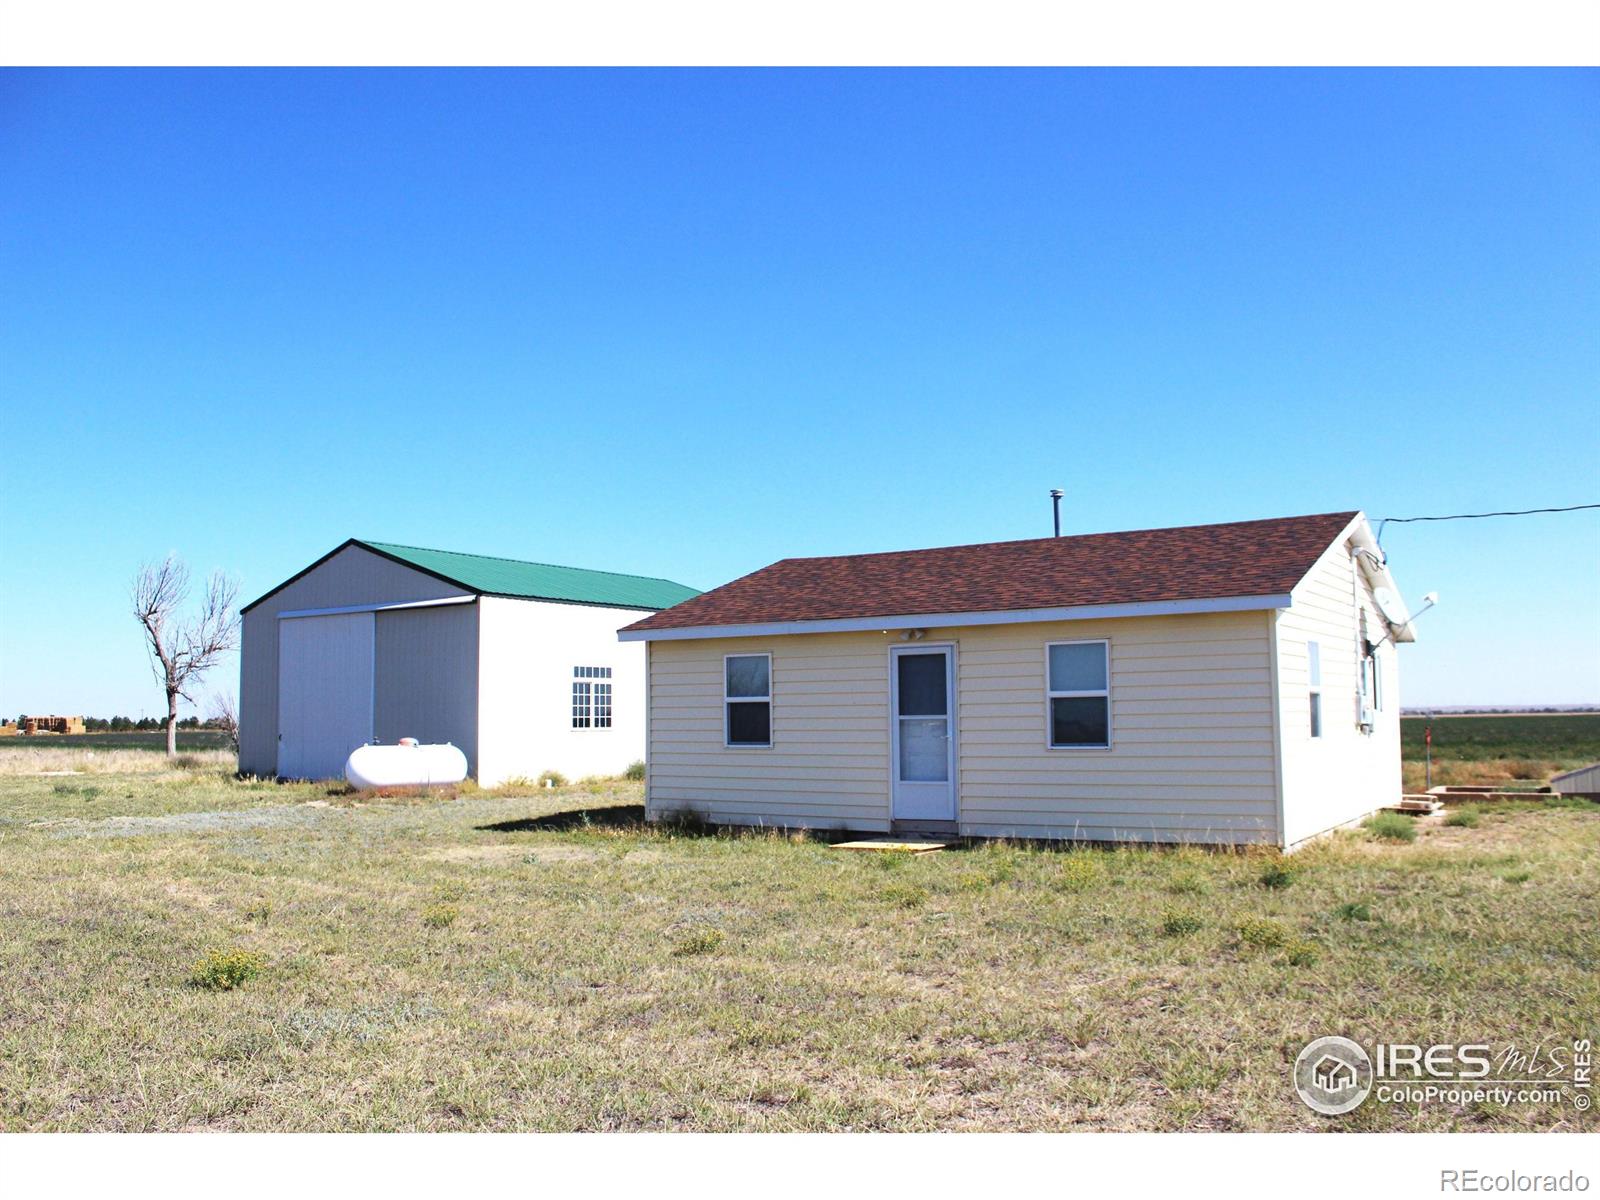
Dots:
{"x": 1192, "y": 755}
{"x": 352, "y": 576}
{"x": 526, "y": 652}
{"x": 1346, "y": 773}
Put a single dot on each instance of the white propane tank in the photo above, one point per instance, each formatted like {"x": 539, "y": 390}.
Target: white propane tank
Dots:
{"x": 407, "y": 764}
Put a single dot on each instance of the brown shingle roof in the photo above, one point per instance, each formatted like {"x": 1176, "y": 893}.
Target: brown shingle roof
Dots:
{"x": 1194, "y": 562}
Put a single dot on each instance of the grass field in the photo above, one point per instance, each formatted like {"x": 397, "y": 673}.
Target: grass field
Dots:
{"x": 547, "y": 962}
{"x": 188, "y": 740}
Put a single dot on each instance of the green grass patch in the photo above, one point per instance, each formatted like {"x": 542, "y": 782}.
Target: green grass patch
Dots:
{"x": 224, "y": 970}
{"x": 1263, "y": 933}
{"x": 1276, "y": 877}
{"x": 440, "y": 916}
{"x": 1180, "y": 924}
{"x": 1391, "y": 827}
{"x": 1079, "y": 871}
{"x": 904, "y": 895}
{"x": 698, "y": 941}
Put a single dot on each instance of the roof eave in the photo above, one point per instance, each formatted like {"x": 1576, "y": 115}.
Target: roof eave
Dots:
{"x": 1020, "y": 616}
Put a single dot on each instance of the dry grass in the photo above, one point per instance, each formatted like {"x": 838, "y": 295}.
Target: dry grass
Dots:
{"x": 1515, "y": 774}
{"x": 595, "y": 973}
{"x": 31, "y": 760}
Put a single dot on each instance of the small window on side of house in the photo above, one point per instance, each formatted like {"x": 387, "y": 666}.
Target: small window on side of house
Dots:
{"x": 1314, "y": 679}
{"x": 591, "y": 697}
{"x": 1372, "y": 683}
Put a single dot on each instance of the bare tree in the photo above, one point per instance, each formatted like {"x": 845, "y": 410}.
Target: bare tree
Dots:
{"x": 224, "y": 715}
{"x": 183, "y": 650}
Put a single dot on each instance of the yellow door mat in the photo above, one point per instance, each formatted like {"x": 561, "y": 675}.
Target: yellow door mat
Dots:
{"x": 882, "y": 845}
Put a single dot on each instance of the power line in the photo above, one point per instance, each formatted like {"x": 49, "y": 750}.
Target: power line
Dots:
{"x": 1522, "y": 512}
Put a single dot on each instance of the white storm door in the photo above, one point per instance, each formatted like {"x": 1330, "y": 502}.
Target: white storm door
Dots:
{"x": 324, "y": 692}
{"x": 922, "y": 708}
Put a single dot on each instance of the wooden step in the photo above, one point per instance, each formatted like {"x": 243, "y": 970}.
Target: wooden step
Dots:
{"x": 891, "y": 846}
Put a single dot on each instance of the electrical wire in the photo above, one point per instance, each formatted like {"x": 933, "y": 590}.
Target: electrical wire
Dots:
{"x": 1523, "y": 512}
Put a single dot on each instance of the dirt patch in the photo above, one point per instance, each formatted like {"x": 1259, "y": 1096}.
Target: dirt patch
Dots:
{"x": 555, "y": 854}
{"x": 222, "y": 821}
{"x": 503, "y": 853}
{"x": 186, "y": 894}
{"x": 476, "y": 854}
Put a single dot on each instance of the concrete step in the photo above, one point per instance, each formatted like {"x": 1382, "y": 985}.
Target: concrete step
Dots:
{"x": 1419, "y": 806}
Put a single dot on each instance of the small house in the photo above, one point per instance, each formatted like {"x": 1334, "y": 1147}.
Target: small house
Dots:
{"x": 516, "y": 663}
{"x": 1227, "y": 684}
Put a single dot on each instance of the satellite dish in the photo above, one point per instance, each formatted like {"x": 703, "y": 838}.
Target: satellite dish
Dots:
{"x": 1390, "y": 606}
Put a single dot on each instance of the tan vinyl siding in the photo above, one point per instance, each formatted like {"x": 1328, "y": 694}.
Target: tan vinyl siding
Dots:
{"x": 1192, "y": 756}
{"x": 425, "y": 677}
{"x": 828, "y": 765}
{"x": 353, "y": 576}
{"x": 1346, "y": 773}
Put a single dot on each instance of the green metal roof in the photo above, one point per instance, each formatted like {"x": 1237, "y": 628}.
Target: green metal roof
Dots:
{"x": 538, "y": 581}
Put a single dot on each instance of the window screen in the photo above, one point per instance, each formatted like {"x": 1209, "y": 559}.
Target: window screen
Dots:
{"x": 1078, "y": 692}
{"x": 747, "y": 699}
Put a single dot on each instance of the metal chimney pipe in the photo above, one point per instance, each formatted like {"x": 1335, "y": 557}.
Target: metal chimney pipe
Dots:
{"x": 1055, "y": 500}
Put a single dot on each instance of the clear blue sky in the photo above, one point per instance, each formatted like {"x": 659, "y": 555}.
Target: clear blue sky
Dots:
{"x": 687, "y": 323}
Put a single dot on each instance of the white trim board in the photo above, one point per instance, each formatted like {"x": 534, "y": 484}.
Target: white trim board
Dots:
{"x": 358, "y": 608}
{"x": 1019, "y": 616}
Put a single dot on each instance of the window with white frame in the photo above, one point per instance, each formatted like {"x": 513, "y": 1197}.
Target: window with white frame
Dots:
{"x": 591, "y": 697}
{"x": 747, "y": 699}
{"x": 1314, "y": 680}
{"x": 1078, "y": 688}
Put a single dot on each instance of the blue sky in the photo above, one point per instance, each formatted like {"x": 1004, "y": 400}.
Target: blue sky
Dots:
{"x": 686, "y": 323}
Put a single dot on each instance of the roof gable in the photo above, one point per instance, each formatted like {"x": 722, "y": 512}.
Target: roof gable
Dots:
{"x": 1147, "y": 566}
{"x": 511, "y": 577}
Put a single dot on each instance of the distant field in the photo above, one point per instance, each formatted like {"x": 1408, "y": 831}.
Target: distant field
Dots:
{"x": 188, "y": 739}
{"x": 1574, "y": 736}
{"x": 1513, "y": 752}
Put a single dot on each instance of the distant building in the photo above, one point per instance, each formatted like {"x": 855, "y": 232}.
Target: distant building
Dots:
{"x": 33, "y": 725}
{"x": 515, "y": 663}
{"x": 1584, "y": 782}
